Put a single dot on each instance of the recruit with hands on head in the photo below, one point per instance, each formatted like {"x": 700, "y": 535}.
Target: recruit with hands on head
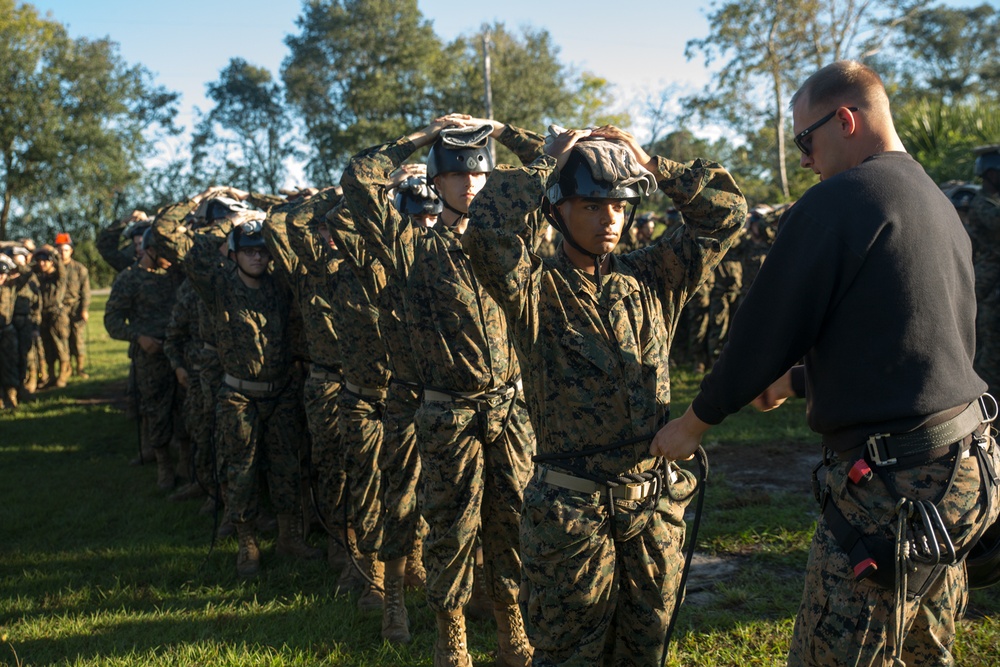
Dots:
{"x": 602, "y": 521}
{"x": 870, "y": 280}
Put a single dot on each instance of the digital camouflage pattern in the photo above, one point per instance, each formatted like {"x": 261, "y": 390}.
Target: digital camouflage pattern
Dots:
{"x": 11, "y": 373}
{"x": 460, "y": 344}
{"x": 398, "y": 459}
{"x": 76, "y": 303}
{"x": 722, "y": 300}
{"x": 596, "y": 373}
{"x": 984, "y": 227}
{"x": 256, "y": 430}
{"x": 27, "y": 319}
{"x": 841, "y": 621}
{"x": 54, "y": 327}
{"x": 364, "y": 363}
{"x": 109, "y": 246}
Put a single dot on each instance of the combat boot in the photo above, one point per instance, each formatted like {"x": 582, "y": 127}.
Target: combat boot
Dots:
{"x": 514, "y": 650}
{"x": 350, "y": 580}
{"x": 165, "y": 475}
{"x": 416, "y": 575}
{"x": 81, "y": 363}
{"x": 190, "y": 491}
{"x": 372, "y": 596}
{"x": 65, "y": 370}
{"x": 10, "y": 398}
{"x": 248, "y": 558}
{"x": 450, "y": 649}
{"x": 395, "y": 621}
{"x": 290, "y": 542}
{"x": 31, "y": 383}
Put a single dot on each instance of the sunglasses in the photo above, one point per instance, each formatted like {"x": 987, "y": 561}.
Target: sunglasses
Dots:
{"x": 799, "y": 138}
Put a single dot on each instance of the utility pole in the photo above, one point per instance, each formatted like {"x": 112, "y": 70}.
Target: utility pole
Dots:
{"x": 489, "y": 88}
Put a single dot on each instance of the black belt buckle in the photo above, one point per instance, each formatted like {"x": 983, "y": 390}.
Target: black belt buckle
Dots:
{"x": 877, "y": 450}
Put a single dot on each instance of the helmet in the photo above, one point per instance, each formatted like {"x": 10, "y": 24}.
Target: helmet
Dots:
{"x": 413, "y": 197}
{"x": 983, "y": 562}
{"x": 248, "y": 235}
{"x": 447, "y": 159}
{"x": 988, "y": 158}
{"x": 137, "y": 228}
{"x": 576, "y": 180}
{"x": 148, "y": 240}
{"x": 220, "y": 207}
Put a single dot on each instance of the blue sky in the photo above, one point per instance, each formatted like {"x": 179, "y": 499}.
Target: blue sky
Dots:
{"x": 186, "y": 43}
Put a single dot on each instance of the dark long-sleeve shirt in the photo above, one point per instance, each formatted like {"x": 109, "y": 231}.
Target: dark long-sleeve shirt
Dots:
{"x": 871, "y": 280}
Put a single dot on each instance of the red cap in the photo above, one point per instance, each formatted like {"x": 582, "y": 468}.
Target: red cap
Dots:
{"x": 62, "y": 238}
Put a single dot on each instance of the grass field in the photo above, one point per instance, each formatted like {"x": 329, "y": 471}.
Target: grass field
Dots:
{"x": 97, "y": 568}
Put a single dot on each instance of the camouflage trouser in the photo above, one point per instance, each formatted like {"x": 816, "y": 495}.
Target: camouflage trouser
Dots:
{"x": 987, "y": 362}
{"x": 159, "y": 400}
{"x": 27, "y": 360}
{"x": 210, "y": 383}
{"x": 77, "y": 339}
{"x": 471, "y": 481}
{"x": 399, "y": 462}
{"x": 323, "y": 415}
{"x": 55, "y": 335}
{"x": 9, "y": 377}
{"x": 698, "y": 324}
{"x": 199, "y": 420}
{"x": 724, "y": 293}
{"x": 361, "y": 431}
{"x": 259, "y": 432}
{"x": 841, "y": 621}
{"x": 593, "y": 597}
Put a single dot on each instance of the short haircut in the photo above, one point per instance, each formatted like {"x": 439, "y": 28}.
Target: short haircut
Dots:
{"x": 843, "y": 83}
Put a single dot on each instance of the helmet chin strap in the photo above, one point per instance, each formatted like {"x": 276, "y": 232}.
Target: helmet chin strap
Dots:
{"x": 555, "y": 217}
{"x": 445, "y": 204}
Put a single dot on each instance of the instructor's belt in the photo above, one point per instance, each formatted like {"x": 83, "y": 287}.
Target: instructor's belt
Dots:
{"x": 248, "y": 385}
{"x": 926, "y": 444}
{"x": 637, "y": 491}
{"x": 494, "y": 397}
{"x": 365, "y": 392}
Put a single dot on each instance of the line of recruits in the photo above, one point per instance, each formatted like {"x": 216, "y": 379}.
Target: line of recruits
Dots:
{"x": 398, "y": 334}
{"x": 44, "y": 307}
{"x": 400, "y": 351}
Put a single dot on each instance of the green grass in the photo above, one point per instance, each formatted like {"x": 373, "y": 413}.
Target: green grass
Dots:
{"x": 97, "y": 569}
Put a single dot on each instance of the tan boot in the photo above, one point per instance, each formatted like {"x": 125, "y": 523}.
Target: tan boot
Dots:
{"x": 350, "y": 580}
{"x": 165, "y": 475}
{"x": 395, "y": 621}
{"x": 65, "y": 370}
{"x": 416, "y": 575}
{"x": 81, "y": 364}
{"x": 10, "y": 398}
{"x": 372, "y": 597}
{"x": 290, "y": 542}
{"x": 450, "y": 649}
{"x": 248, "y": 558}
{"x": 514, "y": 650}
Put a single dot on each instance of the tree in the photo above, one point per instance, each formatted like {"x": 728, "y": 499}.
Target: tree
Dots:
{"x": 360, "y": 72}
{"x": 76, "y": 122}
{"x": 246, "y": 138}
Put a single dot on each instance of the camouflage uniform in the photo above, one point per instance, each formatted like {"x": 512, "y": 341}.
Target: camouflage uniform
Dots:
{"x": 256, "y": 423}
{"x": 55, "y": 321}
{"x": 722, "y": 301}
{"x": 185, "y": 348}
{"x": 366, "y": 377}
{"x": 27, "y": 320}
{"x": 399, "y": 460}
{"x": 76, "y": 303}
{"x": 109, "y": 246}
{"x": 600, "y": 585}
{"x": 313, "y": 277}
{"x": 984, "y": 227}
{"x": 10, "y": 372}
{"x": 841, "y": 617}
{"x": 473, "y": 434}
{"x": 139, "y": 305}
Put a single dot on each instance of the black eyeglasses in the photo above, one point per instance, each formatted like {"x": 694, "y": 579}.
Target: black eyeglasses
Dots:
{"x": 812, "y": 128}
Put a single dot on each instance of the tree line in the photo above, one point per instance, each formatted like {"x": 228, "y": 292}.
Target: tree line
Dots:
{"x": 79, "y": 126}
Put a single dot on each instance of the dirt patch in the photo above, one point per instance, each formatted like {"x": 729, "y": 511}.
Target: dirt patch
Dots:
{"x": 764, "y": 468}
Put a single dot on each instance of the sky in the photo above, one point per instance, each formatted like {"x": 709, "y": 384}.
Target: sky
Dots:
{"x": 186, "y": 43}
